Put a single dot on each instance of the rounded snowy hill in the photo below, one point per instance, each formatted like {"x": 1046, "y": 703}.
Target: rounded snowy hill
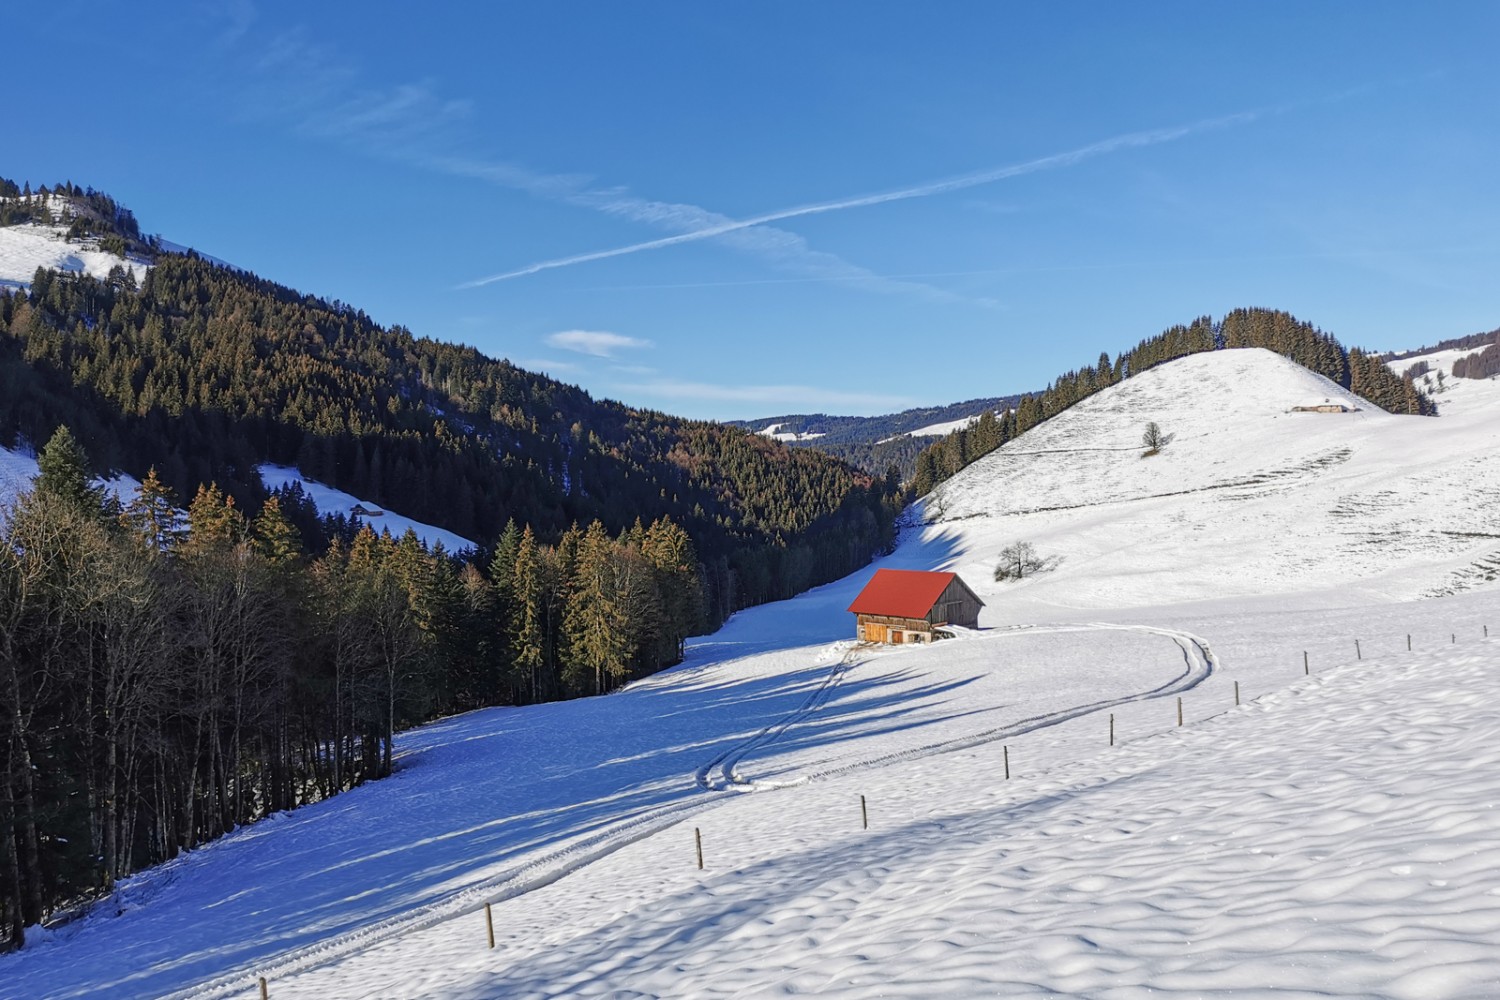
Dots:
{"x": 1250, "y": 496}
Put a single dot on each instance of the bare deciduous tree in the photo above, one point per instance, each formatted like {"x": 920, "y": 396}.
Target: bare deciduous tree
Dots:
{"x": 1153, "y": 440}
{"x": 1019, "y": 560}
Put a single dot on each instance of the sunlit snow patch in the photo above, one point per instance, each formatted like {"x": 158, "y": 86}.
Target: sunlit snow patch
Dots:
{"x": 331, "y": 501}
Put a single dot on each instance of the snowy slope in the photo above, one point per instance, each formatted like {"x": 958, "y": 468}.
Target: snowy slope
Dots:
{"x": 945, "y": 428}
{"x": 1455, "y": 395}
{"x": 1247, "y": 499}
{"x": 25, "y": 248}
{"x": 775, "y": 433}
{"x": 1248, "y": 855}
{"x": 331, "y": 501}
{"x": 19, "y": 468}
{"x": 1333, "y": 836}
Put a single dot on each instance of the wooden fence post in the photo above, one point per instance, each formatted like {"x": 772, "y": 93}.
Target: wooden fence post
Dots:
{"x": 1408, "y": 642}
{"x": 864, "y": 813}
{"x": 1179, "y": 710}
{"x": 1305, "y": 670}
{"x": 264, "y": 992}
{"x": 1236, "y": 694}
{"x": 1357, "y": 654}
{"x": 489, "y": 924}
{"x": 698, "y": 840}
{"x": 1007, "y": 762}
{"x": 1455, "y": 638}
{"x": 1111, "y": 729}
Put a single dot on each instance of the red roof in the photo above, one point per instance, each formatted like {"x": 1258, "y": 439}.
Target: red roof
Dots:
{"x": 901, "y": 593}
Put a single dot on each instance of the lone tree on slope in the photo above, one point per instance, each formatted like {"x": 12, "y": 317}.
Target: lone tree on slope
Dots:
{"x": 1153, "y": 440}
{"x": 1018, "y": 560}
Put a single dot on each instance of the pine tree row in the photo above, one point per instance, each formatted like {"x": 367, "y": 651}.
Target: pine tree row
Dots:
{"x": 1480, "y": 364}
{"x": 204, "y": 372}
{"x": 165, "y": 678}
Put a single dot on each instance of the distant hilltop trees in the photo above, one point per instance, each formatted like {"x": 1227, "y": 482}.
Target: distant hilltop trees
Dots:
{"x": 1480, "y": 364}
{"x": 1362, "y": 372}
{"x": 86, "y": 212}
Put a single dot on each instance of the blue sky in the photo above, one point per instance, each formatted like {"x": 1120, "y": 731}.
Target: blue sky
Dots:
{"x": 954, "y": 200}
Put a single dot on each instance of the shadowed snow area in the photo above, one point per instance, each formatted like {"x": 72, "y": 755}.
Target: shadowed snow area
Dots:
{"x": 18, "y": 470}
{"x": 1333, "y": 835}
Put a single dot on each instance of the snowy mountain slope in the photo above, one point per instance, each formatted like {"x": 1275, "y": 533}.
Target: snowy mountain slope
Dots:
{"x": 945, "y": 428}
{"x": 25, "y": 248}
{"x": 1299, "y": 806}
{"x": 331, "y": 501}
{"x": 1248, "y": 498}
{"x": 1457, "y": 395}
{"x": 775, "y": 433}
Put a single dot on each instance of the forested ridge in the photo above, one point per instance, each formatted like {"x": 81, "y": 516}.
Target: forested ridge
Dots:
{"x": 168, "y": 676}
{"x": 1362, "y": 372}
{"x": 875, "y": 444}
{"x": 203, "y": 372}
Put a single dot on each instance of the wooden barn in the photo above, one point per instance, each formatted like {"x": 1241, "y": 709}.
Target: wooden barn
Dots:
{"x": 903, "y": 605}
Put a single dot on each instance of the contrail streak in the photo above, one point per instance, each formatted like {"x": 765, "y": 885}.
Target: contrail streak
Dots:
{"x": 1130, "y": 140}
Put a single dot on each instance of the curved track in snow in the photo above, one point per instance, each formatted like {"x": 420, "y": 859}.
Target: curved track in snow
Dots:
{"x": 722, "y": 773}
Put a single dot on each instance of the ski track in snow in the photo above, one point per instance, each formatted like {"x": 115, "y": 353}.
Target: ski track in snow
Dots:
{"x": 723, "y": 772}
{"x": 549, "y": 868}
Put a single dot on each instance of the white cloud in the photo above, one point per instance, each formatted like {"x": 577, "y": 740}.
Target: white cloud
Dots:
{"x": 596, "y": 343}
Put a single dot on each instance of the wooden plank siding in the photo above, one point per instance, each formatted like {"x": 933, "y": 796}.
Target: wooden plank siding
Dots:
{"x": 958, "y": 605}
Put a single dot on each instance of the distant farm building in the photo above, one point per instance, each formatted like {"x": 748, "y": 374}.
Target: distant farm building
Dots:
{"x": 360, "y": 510}
{"x": 902, "y": 605}
{"x": 1327, "y": 406}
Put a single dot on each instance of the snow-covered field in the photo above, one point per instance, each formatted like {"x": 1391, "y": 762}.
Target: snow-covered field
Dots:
{"x": 331, "y": 501}
{"x": 775, "y": 433}
{"x": 1333, "y": 835}
{"x": 945, "y": 428}
{"x": 25, "y": 248}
